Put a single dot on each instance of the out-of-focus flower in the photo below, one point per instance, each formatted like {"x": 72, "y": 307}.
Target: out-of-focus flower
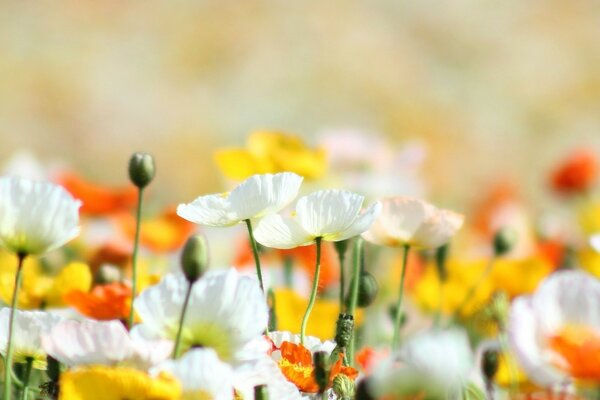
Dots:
{"x": 595, "y": 242}
{"x": 40, "y": 288}
{"x": 202, "y": 375}
{"x": 116, "y": 383}
{"x": 232, "y": 318}
{"x": 98, "y": 200}
{"x": 272, "y": 152}
{"x": 588, "y": 216}
{"x": 368, "y": 358}
{"x": 264, "y": 371}
{"x": 30, "y": 325}
{"x": 78, "y": 343}
{"x": 256, "y": 197}
{"x": 331, "y": 215}
{"x": 555, "y": 332}
{"x": 103, "y": 302}
{"x": 36, "y": 217}
{"x": 167, "y": 232}
{"x": 432, "y": 364}
{"x": 577, "y": 173}
{"x": 407, "y": 221}
{"x": 289, "y": 304}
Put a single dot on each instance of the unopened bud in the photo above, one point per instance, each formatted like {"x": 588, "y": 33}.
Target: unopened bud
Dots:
{"x": 53, "y": 369}
{"x": 367, "y": 289}
{"x": 441, "y": 255}
{"x": 341, "y": 247}
{"x": 343, "y": 330}
{"x": 194, "y": 258}
{"x": 141, "y": 169}
{"x": 363, "y": 390}
{"x": 260, "y": 392}
{"x": 107, "y": 274}
{"x": 343, "y": 387}
{"x": 504, "y": 240}
{"x": 321, "y": 371}
{"x": 489, "y": 364}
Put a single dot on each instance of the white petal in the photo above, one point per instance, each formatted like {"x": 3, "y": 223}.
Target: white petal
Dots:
{"x": 438, "y": 229}
{"x": 264, "y": 194}
{"x": 281, "y": 233}
{"x": 595, "y": 242}
{"x": 264, "y": 372}
{"x": 210, "y": 210}
{"x": 360, "y": 224}
{"x": 327, "y": 212}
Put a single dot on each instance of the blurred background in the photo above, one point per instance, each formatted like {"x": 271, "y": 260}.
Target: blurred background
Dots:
{"x": 470, "y": 92}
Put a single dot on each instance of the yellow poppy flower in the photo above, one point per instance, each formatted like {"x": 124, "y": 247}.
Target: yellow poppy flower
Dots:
{"x": 510, "y": 374}
{"x": 588, "y": 215}
{"x": 290, "y": 306}
{"x": 272, "y": 152}
{"x": 109, "y": 383}
{"x": 39, "y": 288}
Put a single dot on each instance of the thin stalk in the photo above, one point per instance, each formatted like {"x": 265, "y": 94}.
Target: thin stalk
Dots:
{"x": 28, "y": 364}
{"x": 288, "y": 271}
{"x": 357, "y": 256}
{"x": 255, "y": 253}
{"x": 136, "y": 242}
{"x": 398, "y": 317}
{"x": 11, "y": 323}
{"x": 473, "y": 288}
{"x": 313, "y": 293}
{"x": 341, "y": 258}
{"x": 177, "y": 350}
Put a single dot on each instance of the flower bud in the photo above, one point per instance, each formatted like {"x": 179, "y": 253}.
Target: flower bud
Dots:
{"x": 107, "y": 274}
{"x": 489, "y": 364}
{"x": 367, "y": 289}
{"x": 343, "y": 331}
{"x": 343, "y": 387}
{"x": 53, "y": 369}
{"x": 363, "y": 390}
{"x": 321, "y": 371}
{"x": 194, "y": 258}
{"x": 260, "y": 392}
{"x": 504, "y": 240}
{"x": 441, "y": 255}
{"x": 341, "y": 246}
{"x": 141, "y": 169}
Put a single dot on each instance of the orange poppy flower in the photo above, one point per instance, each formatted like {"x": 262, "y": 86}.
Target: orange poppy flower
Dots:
{"x": 98, "y": 200}
{"x": 104, "y": 302}
{"x": 368, "y": 357}
{"x": 296, "y": 364}
{"x": 579, "y": 347}
{"x": 167, "y": 232}
{"x": 577, "y": 173}
{"x": 114, "y": 253}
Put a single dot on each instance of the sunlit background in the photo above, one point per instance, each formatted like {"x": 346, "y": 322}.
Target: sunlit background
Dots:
{"x": 480, "y": 92}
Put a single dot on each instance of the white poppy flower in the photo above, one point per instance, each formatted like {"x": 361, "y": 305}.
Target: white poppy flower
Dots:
{"x": 256, "y": 197}
{"x": 331, "y": 215}
{"x": 226, "y": 312}
{"x": 313, "y": 344}
{"x": 436, "y": 363}
{"x": 595, "y": 242}
{"x": 264, "y": 371}
{"x": 90, "y": 342}
{"x": 555, "y": 333}
{"x": 36, "y": 217}
{"x": 407, "y": 221}
{"x": 29, "y": 327}
{"x": 202, "y": 375}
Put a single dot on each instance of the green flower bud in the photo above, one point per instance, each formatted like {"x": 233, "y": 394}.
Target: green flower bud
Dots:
{"x": 392, "y": 314}
{"x": 441, "y": 255}
{"x": 489, "y": 364}
{"x": 504, "y": 240}
{"x": 362, "y": 390}
{"x": 367, "y": 290}
{"x": 53, "y": 369}
{"x": 343, "y": 387}
{"x": 341, "y": 246}
{"x": 343, "y": 331}
{"x": 260, "y": 392}
{"x": 321, "y": 371}
{"x": 194, "y": 258}
{"x": 141, "y": 169}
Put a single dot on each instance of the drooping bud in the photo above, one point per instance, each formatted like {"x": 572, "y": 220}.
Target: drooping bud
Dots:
{"x": 321, "y": 370}
{"x": 53, "y": 369}
{"x": 260, "y": 392}
{"x": 194, "y": 258}
{"x": 489, "y": 364}
{"x": 504, "y": 240}
{"x": 341, "y": 247}
{"x": 141, "y": 169}
{"x": 343, "y": 387}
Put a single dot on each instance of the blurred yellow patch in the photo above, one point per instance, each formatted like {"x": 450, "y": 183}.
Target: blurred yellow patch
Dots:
{"x": 107, "y": 383}
{"x": 290, "y": 307}
{"x": 272, "y": 152}
{"x": 589, "y": 259}
{"x": 462, "y": 275}
{"x": 588, "y": 215}
{"x": 38, "y": 287}
{"x": 510, "y": 374}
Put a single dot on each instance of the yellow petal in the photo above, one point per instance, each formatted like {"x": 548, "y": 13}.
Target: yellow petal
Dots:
{"x": 74, "y": 276}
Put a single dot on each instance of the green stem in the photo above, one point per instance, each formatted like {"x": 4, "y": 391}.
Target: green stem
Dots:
{"x": 255, "y": 253}
{"x": 136, "y": 243}
{"x": 29, "y": 363}
{"x": 342, "y": 280}
{"x": 11, "y": 322}
{"x": 177, "y": 350}
{"x": 313, "y": 293}
{"x": 440, "y": 308}
{"x": 288, "y": 271}
{"x": 356, "y": 256}
{"x": 473, "y": 289}
{"x": 398, "y": 317}
{"x": 512, "y": 369}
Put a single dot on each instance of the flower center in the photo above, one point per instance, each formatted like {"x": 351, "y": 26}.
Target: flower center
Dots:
{"x": 579, "y": 350}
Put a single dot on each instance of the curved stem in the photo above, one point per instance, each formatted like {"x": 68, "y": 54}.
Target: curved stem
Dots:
{"x": 398, "y": 317}
{"x": 313, "y": 293}
{"x": 357, "y": 255}
{"x": 134, "y": 257}
{"x": 255, "y": 253}
{"x": 11, "y": 322}
{"x": 29, "y": 363}
{"x": 177, "y": 350}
